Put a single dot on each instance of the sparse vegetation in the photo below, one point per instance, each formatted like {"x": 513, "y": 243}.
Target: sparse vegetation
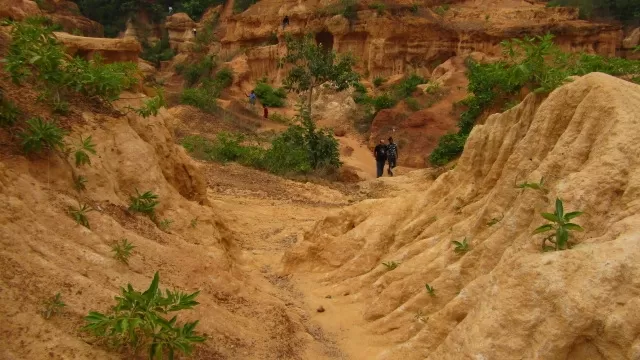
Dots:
{"x": 122, "y": 251}
{"x": 494, "y": 220}
{"x": 53, "y": 306}
{"x": 194, "y": 223}
{"x": 151, "y": 106}
{"x": 419, "y": 316}
{"x": 79, "y": 182}
{"x": 535, "y": 186}
{"x": 624, "y": 10}
{"x": 441, "y": 10}
{"x": 532, "y": 62}
{"x": 379, "y": 7}
{"x": 137, "y": 321}
{"x": 79, "y": 214}
{"x": 165, "y": 224}
{"x": 461, "y": 247}
{"x": 561, "y": 225}
{"x": 83, "y": 150}
{"x": 412, "y": 104}
{"x": 196, "y": 71}
{"x": 242, "y": 5}
{"x": 378, "y": 81}
{"x": 41, "y": 135}
{"x": 347, "y": 8}
{"x": 279, "y": 118}
{"x": 430, "y": 290}
{"x": 9, "y": 113}
{"x": 390, "y": 265}
{"x": 408, "y": 86}
{"x": 158, "y": 52}
{"x": 144, "y": 203}
{"x": 204, "y": 98}
{"x": 414, "y": 8}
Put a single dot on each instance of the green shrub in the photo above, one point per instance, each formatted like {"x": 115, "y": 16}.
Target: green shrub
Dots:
{"x": 144, "y": 203}
{"x": 122, "y": 251}
{"x": 158, "y": 52}
{"x": 138, "y": 321}
{"x": 449, "y": 146}
{"x": 378, "y": 7}
{"x": 79, "y": 214}
{"x": 203, "y": 98}
{"x": 9, "y": 113}
{"x": 414, "y": 8}
{"x": 378, "y": 81}
{"x": 242, "y": 5}
{"x": 194, "y": 72}
{"x": 408, "y": 86}
{"x": 270, "y": 96}
{"x": 384, "y": 101}
{"x": 441, "y": 10}
{"x": 224, "y": 77}
{"x": 412, "y": 104}
{"x": 561, "y": 225}
{"x": 624, "y": 10}
{"x": 42, "y": 135}
{"x": 53, "y": 306}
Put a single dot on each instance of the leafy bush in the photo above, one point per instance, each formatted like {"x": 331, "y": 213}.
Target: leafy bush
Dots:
{"x": 151, "y": 106}
{"x": 85, "y": 146}
{"x": 561, "y": 225}
{"x": 53, "y": 306}
{"x": 9, "y": 113}
{"x": 408, "y": 86}
{"x": 390, "y": 265}
{"x": 413, "y": 104}
{"x": 41, "y": 135}
{"x": 122, "y": 251}
{"x": 79, "y": 214}
{"x": 242, "y": 5}
{"x": 144, "y": 203}
{"x": 138, "y": 321}
{"x": 224, "y": 77}
{"x": 414, "y": 8}
{"x": 378, "y": 81}
{"x": 441, "y": 10}
{"x": 194, "y": 72}
{"x": 270, "y": 96}
{"x": 204, "y": 98}
{"x": 535, "y": 63}
{"x": 384, "y": 101}
{"x": 461, "y": 247}
{"x": 160, "y": 51}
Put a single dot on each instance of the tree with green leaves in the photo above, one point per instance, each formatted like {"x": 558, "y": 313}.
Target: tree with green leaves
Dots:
{"x": 313, "y": 65}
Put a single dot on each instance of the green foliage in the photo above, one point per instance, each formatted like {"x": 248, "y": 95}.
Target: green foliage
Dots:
{"x": 494, "y": 221}
{"x": 441, "y": 10}
{"x": 194, "y": 222}
{"x": 224, "y": 77}
{"x": 430, "y": 290}
{"x": 204, "y": 98}
{"x": 379, "y": 7}
{"x": 623, "y": 10}
{"x": 9, "y": 113}
{"x": 138, "y": 321}
{"x": 144, "y": 203}
{"x": 413, "y": 104}
{"x": 41, "y": 135}
{"x": 414, "y": 8}
{"x": 408, "y": 86}
{"x": 535, "y": 186}
{"x": 535, "y": 63}
{"x": 79, "y": 214}
{"x": 158, "y": 52}
{"x": 390, "y": 265}
{"x": 122, "y": 251}
{"x": 79, "y": 182}
{"x": 196, "y": 8}
{"x": 242, "y": 5}
{"x": 378, "y": 81}
{"x": 151, "y": 106}
{"x": 461, "y": 247}
{"x": 433, "y": 88}
{"x": 85, "y": 148}
{"x": 53, "y": 306}
{"x": 194, "y": 72}
{"x": 384, "y": 101}
{"x": 270, "y": 96}
{"x": 165, "y": 224}
{"x": 312, "y": 65}
{"x": 561, "y": 225}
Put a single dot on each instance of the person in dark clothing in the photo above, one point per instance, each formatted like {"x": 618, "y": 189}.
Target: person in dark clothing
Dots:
{"x": 392, "y": 155}
{"x": 195, "y": 32}
{"x": 380, "y": 153}
{"x": 285, "y": 22}
{"x": 265, "y": 111}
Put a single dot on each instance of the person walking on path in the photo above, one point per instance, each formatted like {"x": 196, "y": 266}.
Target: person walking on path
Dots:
{"x": 285, "y": 22}
{"x": 252, "y": 97}
{"x": 194, "y": 32}
{"x": 380, "y": 153}
{"x": 265, "y": 111}
{"x": 392, "y": 155}
{"x": 170, "y": 10}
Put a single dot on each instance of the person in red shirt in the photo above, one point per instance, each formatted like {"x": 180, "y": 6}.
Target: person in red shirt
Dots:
{"x": 266, "y": 111}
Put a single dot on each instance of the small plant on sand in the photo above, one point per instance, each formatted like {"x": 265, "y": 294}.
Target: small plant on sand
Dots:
{"x": 194, "y": 222}
{"x": 122, "y": 251}
{"x": 165, "y": 224}
{"x": 419, "y": 316}
{"x": 441, "y": 10}
{"x": 535, "y": 186}
{"x": 430, "y": 290}
{"x": 85, "y": 148}
{"x": 461, "y": 247}
{"x": 53, "y": 306}
{"x": 144, "y": 203}
{"x": 494, "y": 221}
{"x": 79, "y": 214}
{"x": 79, "y": 182}
{"x": 151, "y": 106}
{"x": 390, "y": 265}
{"x": 138, "y": 321}
{"x": 561, "y": 225}
{"x": 41, "y": 135}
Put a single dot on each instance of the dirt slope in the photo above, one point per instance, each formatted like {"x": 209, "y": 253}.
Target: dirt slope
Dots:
{"x": 504, "y": 299}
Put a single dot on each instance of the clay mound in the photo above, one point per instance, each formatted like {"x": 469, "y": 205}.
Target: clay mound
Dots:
{"x": 111, "y": 50}
{"x": 504, "y": 299}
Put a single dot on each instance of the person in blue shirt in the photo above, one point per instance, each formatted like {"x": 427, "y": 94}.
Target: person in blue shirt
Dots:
{"x": 252, "y": 97}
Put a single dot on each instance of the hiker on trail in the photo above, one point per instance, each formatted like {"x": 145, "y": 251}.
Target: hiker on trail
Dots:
{"x": 380, "y": 153}
{"x": 285, "y": 22}
{"x": 170, "y": 10}
{"x": 392, "y": 155}
{"x": 194, "y": 32}
{"x": 265, "y": 111}
{"x": 252, "y": 97}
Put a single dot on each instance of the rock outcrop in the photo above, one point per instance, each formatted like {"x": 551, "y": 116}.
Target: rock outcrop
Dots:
{"x": 18, "y": 9}
{"x": 491, "y": 301}
{"x": 111, "y": 50}
{"x": 180, "y": 28}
